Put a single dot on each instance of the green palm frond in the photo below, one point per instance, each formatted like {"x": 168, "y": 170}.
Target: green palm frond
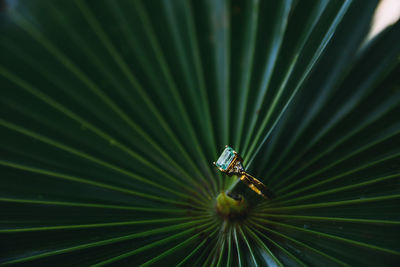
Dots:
{"x": 112, "y": 112}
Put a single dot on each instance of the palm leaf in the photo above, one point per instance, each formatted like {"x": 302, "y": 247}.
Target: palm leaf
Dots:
{"x": 112, "y": 112}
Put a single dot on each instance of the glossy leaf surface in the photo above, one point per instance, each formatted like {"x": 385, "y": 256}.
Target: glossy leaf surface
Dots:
{"x": 112, "y": 112}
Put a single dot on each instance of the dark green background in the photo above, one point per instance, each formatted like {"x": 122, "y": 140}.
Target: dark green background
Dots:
{"x": 112, "y": 112}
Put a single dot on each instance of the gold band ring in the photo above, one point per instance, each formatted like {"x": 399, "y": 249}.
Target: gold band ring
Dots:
{"x": 231, "y": 163}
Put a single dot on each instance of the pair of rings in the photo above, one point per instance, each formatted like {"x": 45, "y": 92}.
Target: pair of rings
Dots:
{"x": 230, "y": 163}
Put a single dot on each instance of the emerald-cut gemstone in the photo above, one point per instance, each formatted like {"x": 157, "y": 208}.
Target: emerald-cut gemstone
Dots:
{"x": 226, "y": 158}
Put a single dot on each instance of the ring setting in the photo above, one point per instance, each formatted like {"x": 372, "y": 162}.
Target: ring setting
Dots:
{"x": 230, "y": 163}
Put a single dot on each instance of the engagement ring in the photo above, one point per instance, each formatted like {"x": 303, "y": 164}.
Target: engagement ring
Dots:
{"x": 231, "y": 163}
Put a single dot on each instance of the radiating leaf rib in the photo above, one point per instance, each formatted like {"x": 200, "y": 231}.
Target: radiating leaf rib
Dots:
{"x": 151, "y": 245}
{"x": 149, "y": 31}
{"x": 85, "y": 156}
{"x": 117, "y": 85}
{"x": 193, "y": 252}
{"x": 332, "y": 164}
{"x": 108, "y": 241}
{"x": 94, "y": 129}
{"x": 354, "y": 131}
{"x": 334, "y": 203}
{"x": 174, "y": 29}
{"x": 313, "y": 21}
{"x": 229, "y": 244}
{"x": 168, "y": 76}
{"x": 91, "y": 205}
{"x": 334, "y": 178}
{"x": 377, "y": 76}
{"x": 177, "y": 247}
{"x": 330, "y": 219}
{"x": 248, "y": 245}
{"x": 235, "y": 236}
{"x": 342, "y": 188}
{"x": 310, "y": 66}
{"x": 263, "y": 246}
{"x": 220, "y": 25}
{"x": 125, "y": 69}
{"x": 333, "y": 259}
{"x": 200, "y": 74}
{"x": 202, "y": 257}
{"x": 388, "y": 108}
{"x": 105, "y": 69}
{"x": 65, "y": 61}
{"x": 203, "y": 260}
{"x": 333, "y": 237}
{"x": 98, "y": 225}
{"x": 343, "y": 49}
{"x": 293, "y": 257}
{"x": 125, "y": 27}
{"x": 247, "y": 58}
{"x": 211, "y": 255}
{"x": 196, "y": 249}
{"x": 80, "y": 75}
{"x": 221, "y": 252}
{"x": 90, "y": 182}
{"x": 278, "y": 34}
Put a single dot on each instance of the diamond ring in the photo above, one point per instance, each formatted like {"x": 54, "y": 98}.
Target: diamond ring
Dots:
{"x": 231, "y": 163}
